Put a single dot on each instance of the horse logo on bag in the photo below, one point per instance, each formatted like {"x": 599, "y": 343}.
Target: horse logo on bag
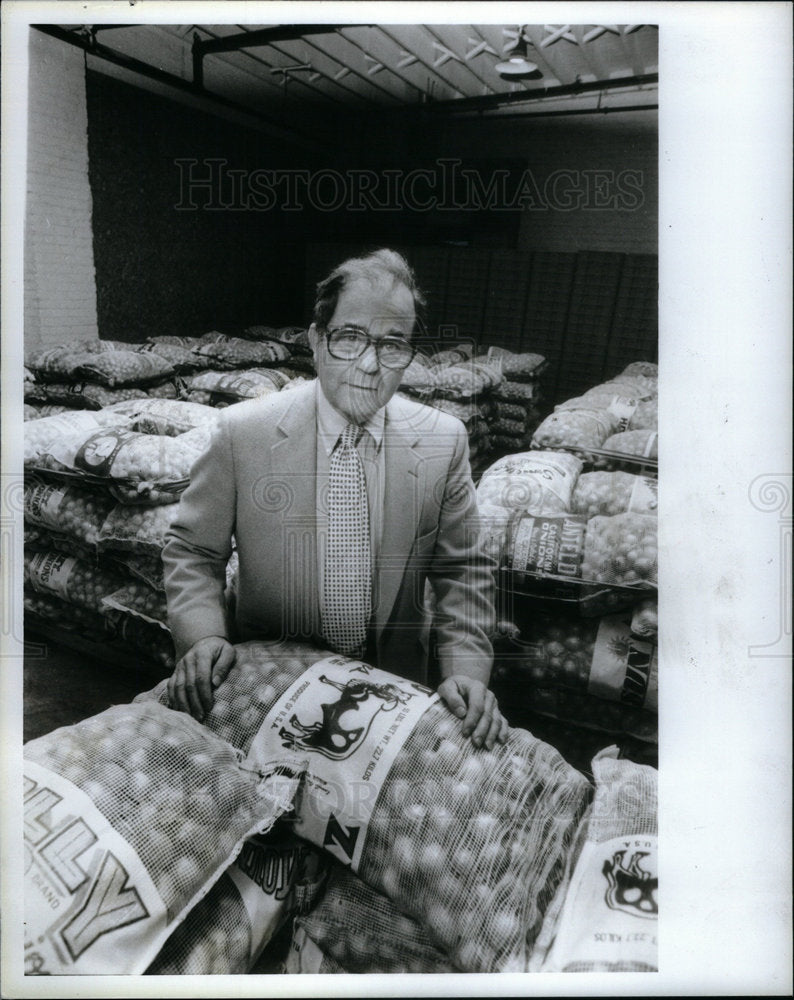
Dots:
{"x": 630, "y": 888}
{"x": 346, "y": 720}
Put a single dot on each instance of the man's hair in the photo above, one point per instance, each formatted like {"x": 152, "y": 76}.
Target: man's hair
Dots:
{"x": 374, "y": 267}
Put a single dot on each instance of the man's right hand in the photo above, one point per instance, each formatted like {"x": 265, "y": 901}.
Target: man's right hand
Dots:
{"x": 201, "y": 669}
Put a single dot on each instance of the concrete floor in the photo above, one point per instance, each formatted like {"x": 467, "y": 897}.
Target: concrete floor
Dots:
{"x": 62, "y": 686}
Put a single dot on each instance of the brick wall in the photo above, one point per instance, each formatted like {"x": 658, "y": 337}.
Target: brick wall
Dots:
{"x": 60, "y": 292}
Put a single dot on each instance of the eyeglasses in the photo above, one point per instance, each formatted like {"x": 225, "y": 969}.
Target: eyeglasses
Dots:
{"x": 347, "y": 343}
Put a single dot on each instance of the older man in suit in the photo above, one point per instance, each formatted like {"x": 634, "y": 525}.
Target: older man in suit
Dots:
{"x": 343, "y": 500}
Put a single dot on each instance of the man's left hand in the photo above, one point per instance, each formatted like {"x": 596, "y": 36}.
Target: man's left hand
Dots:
{"x": 471, "y": 701}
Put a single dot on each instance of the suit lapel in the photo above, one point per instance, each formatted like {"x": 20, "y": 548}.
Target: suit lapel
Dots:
{"x": 293, "y": 469}
{"x": 404, "y": 496}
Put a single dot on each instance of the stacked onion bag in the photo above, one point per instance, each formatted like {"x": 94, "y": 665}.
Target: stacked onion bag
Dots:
{"x": 527, "y": 481}
{"x": 131, "y": 816}
{"x": 364, "y": 932}
{"x": 275, "y": 877}
{"x": 604, "y": 917}
{"x": 597, "y": 420}
{"x": 470, "y": 843}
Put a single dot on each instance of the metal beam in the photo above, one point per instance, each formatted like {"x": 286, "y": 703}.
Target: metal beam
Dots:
{"x": 265, "y": 36}
{"x": 92, "y": 47}
{"x": 539, "y": 93}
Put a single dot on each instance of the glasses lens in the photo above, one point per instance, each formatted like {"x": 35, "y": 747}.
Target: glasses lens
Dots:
{"x": 347, "y": 344}
{"x": 395, "y": 353}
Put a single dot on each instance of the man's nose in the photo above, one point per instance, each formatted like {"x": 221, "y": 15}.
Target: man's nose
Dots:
{"x": 368, "y": 362}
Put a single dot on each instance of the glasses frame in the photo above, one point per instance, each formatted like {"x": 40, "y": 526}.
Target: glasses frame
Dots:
{"x": 370, "y": 341}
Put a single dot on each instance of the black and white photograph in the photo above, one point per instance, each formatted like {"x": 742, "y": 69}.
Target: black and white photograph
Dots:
{"x": 396, "y": 524}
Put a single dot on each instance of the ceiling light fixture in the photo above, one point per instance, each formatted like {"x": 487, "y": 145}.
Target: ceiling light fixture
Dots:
{"x": 516, "y": 65}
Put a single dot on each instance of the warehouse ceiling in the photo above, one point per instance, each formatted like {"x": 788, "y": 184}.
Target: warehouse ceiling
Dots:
{"x": 281, "y": 70}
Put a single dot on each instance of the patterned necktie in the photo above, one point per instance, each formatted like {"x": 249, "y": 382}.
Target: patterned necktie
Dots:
{"x": 348, "y": 571}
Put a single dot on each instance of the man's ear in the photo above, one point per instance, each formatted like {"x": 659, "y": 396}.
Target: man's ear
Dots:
{"x": 314, "y": 339}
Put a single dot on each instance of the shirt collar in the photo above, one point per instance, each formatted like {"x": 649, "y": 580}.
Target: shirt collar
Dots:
{"x": 331, "y": 423}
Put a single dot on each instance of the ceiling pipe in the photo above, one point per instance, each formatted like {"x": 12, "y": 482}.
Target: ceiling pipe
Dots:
{"x": 93, "y": 48}
{"x": 265, "y": 36}
{"x": 539, "y": 93}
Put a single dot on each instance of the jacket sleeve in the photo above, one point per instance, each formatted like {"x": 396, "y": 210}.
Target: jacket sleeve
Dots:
{"x": 198, "y": 546}
{"x": 462, "y": 576}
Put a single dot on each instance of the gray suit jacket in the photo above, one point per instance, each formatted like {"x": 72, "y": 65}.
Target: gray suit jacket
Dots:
{"x": 256, "y": 482}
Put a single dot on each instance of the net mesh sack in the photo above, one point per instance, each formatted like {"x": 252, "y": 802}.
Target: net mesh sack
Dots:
{"x": 137, "y": 468}
{"x": 645, "y": 620}
{"x": 621, "y": 550}
{"x": 172, "y": 388}
{"x": 610, "y": 493}
{"x": 54, "y": 363}
{"x": 582, "y": 709}
{"x": 148, "y": 568}
{"x": 646, "y": 368}
{"x": 87, "y": 395}
{"x": 122, "y": 368}
{"x": 139, "y": 600}
{"x": 165, "y": 416}
{"x": 468, "y": 379}
{"x": 214, "y": 387}
{"x": 180, "y": 357}
{"x": 608, "y": 920}
{"x": 70, "y": 617}
{"x": 69, "y": 510}
{"x": 645, "y": 417}
{"x": 530, "y": 480}
{"x": 234, "y": 352}
{"x": 451, "y": 824}
{"x": 516, "y": 392}
{"x": 275, "y": 876}
{"x": 643, "y": 443}
{"x": 365, "y": 932}
{"x": 306, "y": 957}
{"x": 582, "y": 429}
{"x": 517, "y": 367}
{"x": 136, "y": 529}
{"x": 42, "y": 434}
{"x": 151, "y": 641}
{"x": 76, "y": 581}
{"x": 178, "y": 804}
{"x": 31, "y": 412}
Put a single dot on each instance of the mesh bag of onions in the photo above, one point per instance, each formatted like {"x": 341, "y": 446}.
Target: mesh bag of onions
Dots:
{"x": 76, "y": 581}
{"x": 69, "y": 510}
{"x": 165, "y": 416}
{"x": 581, "y": 429}
{"x": 137, "y": 468}
{"x": 610, "y": 493}
{"x": 275, "y": 876}
{"x": 621, "y": 550}
{"x": 530, "y": 480}
{"x": 136, "y": 529}
{"x": 130, "y": 817}
{"x": 607, "y": 917}
{"x": 365, "y": 932}
{"x": 470, "y": 843}
{"x": 41, "y": 435}
{"x": 643, "y": 443}
{"x": 306, "y": 957}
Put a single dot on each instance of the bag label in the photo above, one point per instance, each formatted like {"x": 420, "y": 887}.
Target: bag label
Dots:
{"x": 50, "y": 572}
{"x": 623, "y": 410}
{"x": 624, "y": 668}
{"x": 644, "y": 496}
{"x": 552, "y": 545}
{"x": 611, "y": 912}
{"x": 344, "y": 722}
{"x": 42, "y": 504}
{"x": 304, "y": 957}
{"x": 90, "y": 905}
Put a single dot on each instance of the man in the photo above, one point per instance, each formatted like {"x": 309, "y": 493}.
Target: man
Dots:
{"x": 343, "y": 499}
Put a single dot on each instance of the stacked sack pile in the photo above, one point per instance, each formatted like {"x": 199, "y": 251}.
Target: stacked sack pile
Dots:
{"x": 584, "y": 546}
{"x": 494, "y": 393}
{"x": 515, "y": 403}
{"x": 613, "y": 425}
{"x": 112, "y": 431}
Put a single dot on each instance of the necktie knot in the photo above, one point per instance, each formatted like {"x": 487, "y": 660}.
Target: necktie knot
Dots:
{"x": 350, "y": 436}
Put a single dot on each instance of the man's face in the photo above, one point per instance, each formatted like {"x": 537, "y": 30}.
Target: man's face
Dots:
{"x": 358, "y": 388}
